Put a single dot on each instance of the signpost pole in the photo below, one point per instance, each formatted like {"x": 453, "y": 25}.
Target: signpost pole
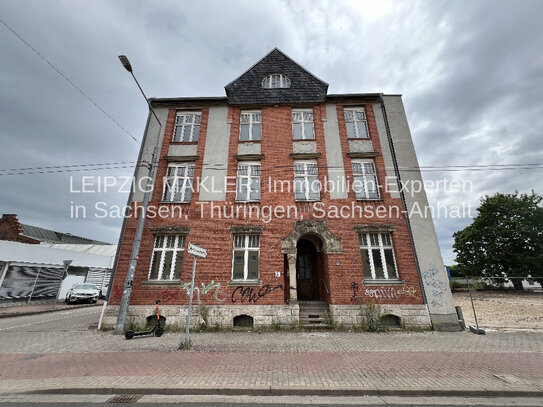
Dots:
{"x": 187, "y": 328}
{"x": 196, "y": 251}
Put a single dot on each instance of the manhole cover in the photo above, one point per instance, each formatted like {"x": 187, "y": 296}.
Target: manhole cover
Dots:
{"x": 125, "y": 398}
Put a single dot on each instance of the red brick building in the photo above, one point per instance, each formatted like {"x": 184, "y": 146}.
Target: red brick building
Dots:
{"x": 294, "y": 194}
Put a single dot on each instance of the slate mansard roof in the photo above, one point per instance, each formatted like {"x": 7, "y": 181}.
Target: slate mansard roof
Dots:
{"x": 304, "y": 86}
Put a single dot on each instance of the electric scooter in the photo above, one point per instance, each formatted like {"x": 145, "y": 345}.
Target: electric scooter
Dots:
{"x": 157, "y": 329}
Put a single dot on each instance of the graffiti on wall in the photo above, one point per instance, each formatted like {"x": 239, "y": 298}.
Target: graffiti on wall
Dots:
{"x": 250, "y": 295}
{"x": 167, "y": 295}
{"x": 406, "y": 291}
{"x": 435, "y": 287}
{"x": 390, "y": 293}
{"x": 204, "y": 290}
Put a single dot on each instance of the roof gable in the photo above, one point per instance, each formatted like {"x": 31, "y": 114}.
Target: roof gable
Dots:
{"x": 304, "y": 86}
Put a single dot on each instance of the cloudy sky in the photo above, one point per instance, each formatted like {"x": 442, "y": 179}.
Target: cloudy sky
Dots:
{"x": 471, "y": 75}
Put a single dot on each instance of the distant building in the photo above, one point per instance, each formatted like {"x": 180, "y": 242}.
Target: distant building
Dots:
{"x": 278, "y": 181}
{"x": 11, "y": 229}
{"x": 32, "y": 262}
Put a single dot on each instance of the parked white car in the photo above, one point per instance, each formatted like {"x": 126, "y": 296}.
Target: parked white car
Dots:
{"x": 83, "y": 292}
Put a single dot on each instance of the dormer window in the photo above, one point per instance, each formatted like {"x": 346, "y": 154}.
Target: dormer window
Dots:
{"x": 276, "y": 80}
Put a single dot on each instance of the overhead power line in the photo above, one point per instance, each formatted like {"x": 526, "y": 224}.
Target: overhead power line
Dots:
{"x": 278, "y": 168}
{"x": 65, "y": 77}
{"x": 66, "y": 170}
{"x": 65, "y": 166}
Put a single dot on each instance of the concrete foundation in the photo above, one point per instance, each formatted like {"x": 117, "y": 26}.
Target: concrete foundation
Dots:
{"x": 446, "y": 322}
{"x": 408, "y": 316}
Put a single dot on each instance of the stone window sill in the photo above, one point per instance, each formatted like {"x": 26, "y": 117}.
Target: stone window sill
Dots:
{"x": 245, "y": 283}
{"x": 369, "y": 199}
{"x": 382, "y": 282}
{"x": 175, "y": 202}
{"x": 162, "y": 282}
{"x": 248, "y": 202}
{"x": 362, "y": 154}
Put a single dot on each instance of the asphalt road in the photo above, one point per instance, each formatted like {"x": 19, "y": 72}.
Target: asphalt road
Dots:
{"x": 78, "y": 319}
{"x": 231, "y": 401}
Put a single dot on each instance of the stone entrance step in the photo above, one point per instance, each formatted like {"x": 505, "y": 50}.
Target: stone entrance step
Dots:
{"x": 313, "y": 314}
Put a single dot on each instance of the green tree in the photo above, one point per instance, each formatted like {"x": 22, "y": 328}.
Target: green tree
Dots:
{"x": 454, "y": 271}
{"x": 504, "y": 240}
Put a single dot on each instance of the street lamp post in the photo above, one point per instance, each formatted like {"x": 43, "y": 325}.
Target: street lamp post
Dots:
{"x": 127, "y": 290}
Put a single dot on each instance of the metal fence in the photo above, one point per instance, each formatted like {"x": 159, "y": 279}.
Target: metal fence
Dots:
{"x": 496, "y": 304}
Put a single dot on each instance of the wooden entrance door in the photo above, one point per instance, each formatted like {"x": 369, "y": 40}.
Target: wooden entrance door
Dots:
{"x": 306, "y": 277}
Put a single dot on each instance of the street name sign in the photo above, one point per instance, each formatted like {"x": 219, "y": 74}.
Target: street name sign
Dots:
{"x": 197, "y": 251}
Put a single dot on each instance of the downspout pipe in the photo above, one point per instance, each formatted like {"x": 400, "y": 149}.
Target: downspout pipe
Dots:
{"x": 402, "y": 195}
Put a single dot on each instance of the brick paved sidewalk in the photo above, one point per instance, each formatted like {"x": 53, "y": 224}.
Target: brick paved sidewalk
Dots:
{"x": 332, "y": 372}
{"x": 59, "y": 353}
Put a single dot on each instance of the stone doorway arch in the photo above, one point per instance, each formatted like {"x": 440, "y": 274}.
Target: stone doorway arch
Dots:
{"x": 306, "y": 228}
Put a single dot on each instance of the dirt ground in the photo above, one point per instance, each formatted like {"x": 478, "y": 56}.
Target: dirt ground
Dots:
{"x": 503, "y": 310}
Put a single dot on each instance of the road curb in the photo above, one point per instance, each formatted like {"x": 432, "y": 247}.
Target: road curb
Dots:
{"x": 317, "y": 391}
{"x": 21, "y": 314}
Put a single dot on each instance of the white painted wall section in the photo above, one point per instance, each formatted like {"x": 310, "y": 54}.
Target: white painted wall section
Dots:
{"x": 215, "y": 167}
{"x": 334, "y": 156}
{"x": 434, "y": 276}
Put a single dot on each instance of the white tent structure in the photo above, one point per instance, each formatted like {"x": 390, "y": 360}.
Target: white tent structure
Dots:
{"x": 34, "y": 271}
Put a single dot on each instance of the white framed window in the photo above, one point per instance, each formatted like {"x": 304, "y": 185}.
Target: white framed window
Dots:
{"x": 246, "y": 257}
{"x": 248, "y": 182}
{"x": 187, "y": 127}
{"x": 355, "y": 121}
{"x": 167, "y": 259}
{"x": 178, "y": 183}
{"x": 302, "y": 125}
{"x": 378, "y": 259}
{"x": 306, "y": 181}
{"x": 365, "y": 182}
{"x": 250, "y": 126}
{"x": 276, "y": 80}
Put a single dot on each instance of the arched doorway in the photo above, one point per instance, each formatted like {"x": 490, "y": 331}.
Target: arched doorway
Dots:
{"x": 324, "y": 242}
{"x": 307, "y": 270}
